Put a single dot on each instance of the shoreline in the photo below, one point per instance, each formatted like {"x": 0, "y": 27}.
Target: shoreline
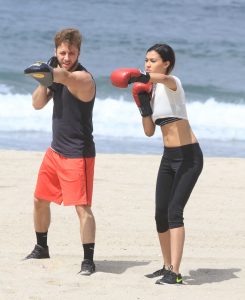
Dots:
{"x": 40, "y": 141}
{"x": 213, "y": 263}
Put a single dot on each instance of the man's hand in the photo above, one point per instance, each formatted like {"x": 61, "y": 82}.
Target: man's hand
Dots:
{"x": 53, "y": 62}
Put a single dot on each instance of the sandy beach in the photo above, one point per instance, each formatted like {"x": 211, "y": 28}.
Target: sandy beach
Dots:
{"x": 213, "y": 265}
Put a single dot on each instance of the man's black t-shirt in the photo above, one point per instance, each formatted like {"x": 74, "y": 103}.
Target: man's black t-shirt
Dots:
{"x": 72, "y": 123}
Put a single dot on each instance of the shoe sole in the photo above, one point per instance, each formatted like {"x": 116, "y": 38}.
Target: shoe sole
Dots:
{"x": 86, "y": 273}
{"x": 35, "y": 258}
{"x": 165, "y": 283}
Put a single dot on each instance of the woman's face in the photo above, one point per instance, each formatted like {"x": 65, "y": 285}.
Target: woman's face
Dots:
{"x": 154, "y": 63}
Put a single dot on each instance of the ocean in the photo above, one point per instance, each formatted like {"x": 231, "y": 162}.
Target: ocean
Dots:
{"x": 207, "y": 36}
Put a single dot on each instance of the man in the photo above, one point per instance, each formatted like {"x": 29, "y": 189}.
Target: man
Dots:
{"x": 66, "y": 173}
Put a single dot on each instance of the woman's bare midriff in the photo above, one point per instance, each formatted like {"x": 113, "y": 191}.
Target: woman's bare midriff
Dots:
{"x": 177, "y": 134}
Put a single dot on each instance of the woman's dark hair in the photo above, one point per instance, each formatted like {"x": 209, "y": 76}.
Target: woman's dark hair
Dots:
{"x": 166, "y": 53}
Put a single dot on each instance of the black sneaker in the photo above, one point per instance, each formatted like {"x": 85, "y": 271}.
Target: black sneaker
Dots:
{"x": 170, "y": 278}
{"x": 87, "y": 267}
{"x": 38, "y": 253}
{"x": 161, "y": 272}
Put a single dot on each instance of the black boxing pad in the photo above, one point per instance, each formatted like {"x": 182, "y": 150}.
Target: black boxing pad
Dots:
{"x": 41, "y": 72}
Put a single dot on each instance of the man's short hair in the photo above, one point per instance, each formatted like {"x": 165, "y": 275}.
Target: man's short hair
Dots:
{"x": 71, "y": 36}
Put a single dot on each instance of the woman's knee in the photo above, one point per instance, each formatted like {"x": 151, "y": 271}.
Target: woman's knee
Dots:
{"x": 175, "y": 218}
{"x": 165, "y": 221}
{"x": 161, "y": 221}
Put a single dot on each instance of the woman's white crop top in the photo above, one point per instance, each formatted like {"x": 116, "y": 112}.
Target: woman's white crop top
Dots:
{"x": 168, "y": 103}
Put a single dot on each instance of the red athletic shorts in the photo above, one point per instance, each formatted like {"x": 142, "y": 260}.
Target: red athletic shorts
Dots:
{"x": 67, "y": 180}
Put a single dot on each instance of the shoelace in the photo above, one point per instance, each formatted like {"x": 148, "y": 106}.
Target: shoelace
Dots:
{"x": 34, "y": 252}
{"x": 87, "y": 264}
{"x": 170, "y": 268}
{"x": 160, "y": 272}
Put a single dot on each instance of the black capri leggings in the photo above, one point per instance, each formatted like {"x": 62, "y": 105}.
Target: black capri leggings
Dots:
{"x": 178, "y": 172}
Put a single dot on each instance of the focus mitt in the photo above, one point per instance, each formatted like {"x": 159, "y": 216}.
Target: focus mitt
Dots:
{"x": 41, "y": 72}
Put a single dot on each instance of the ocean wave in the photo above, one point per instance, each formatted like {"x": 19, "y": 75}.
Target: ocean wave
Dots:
{"x": 119, "y": 118}
{"x": 5, "y": 89}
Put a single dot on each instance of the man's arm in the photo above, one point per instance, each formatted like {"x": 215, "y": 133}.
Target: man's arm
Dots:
{"x": 41, "y": 96}
{"x": 79, "y": 83}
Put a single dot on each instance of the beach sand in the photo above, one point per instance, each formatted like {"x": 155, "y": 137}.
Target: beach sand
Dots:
{"x": 213, "y": 265}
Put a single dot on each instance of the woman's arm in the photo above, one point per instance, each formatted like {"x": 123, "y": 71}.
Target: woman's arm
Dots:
{"x": 167, "y": 80}
{"x": 148, "y": 125}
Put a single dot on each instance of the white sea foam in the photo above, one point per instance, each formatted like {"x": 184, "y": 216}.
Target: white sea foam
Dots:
{"x": 118, "y": 118}
{"x": 4, "y": 89}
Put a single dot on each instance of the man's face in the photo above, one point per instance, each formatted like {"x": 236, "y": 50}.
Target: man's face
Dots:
{"x": 67, "y": 55}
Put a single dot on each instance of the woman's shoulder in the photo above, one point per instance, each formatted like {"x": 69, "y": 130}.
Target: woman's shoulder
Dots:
{"x": 176, "y": 78}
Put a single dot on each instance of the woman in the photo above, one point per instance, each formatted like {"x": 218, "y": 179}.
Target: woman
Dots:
{"x": 161, "y": 101}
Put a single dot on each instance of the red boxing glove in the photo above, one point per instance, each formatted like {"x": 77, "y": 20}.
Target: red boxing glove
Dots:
{"x": 142, "y": 97}
{"x": 123, "y": 77}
